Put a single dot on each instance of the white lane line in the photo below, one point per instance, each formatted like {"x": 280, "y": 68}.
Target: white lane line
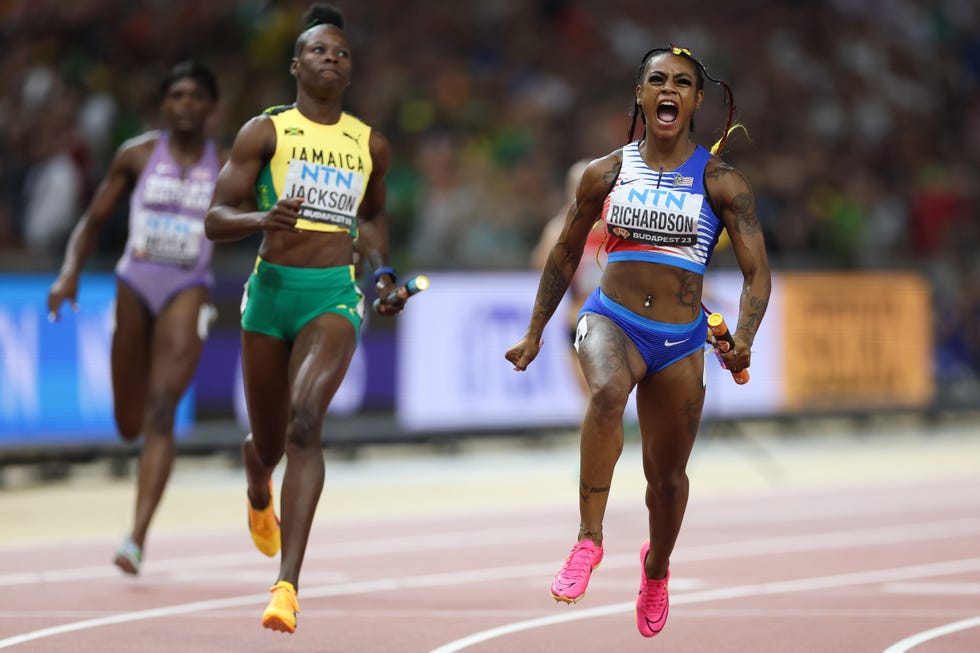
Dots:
{"x": 126, "y": 617}
{"x": 340, "y": 550}
{"x": 918, "y": 532}
{"x": 816, "y": 508}
{"x": 247, "y": 612}
{"x": 925, "y": 636}
{"x": 937, "y": 589}
{"x": 723, "y": 593}
{"x": 821, "y": 614}
{"x": 809, "y": 509}
{"x": 364, "y": 587}
{"x": 446, "y": 579}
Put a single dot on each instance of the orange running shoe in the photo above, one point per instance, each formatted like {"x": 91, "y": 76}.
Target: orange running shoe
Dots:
{"x": 280, "y": 615}
{"x": 263, "y": 525}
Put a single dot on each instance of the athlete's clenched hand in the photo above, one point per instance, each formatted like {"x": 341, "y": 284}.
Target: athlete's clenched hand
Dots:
{"x": 282, "y": 216}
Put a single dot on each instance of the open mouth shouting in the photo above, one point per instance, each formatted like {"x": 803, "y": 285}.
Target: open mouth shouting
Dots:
{"x": 667, "y": 111}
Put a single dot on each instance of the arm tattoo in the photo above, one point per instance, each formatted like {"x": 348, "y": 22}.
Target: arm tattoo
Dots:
{"x": 742, "y": 205}
{"x": 551, "y": 290}
{"x": 749, "y": 323}
{"x": 746, "y": 222}
{"x": 609, "y": 176}
{"x": 719, "y": 170}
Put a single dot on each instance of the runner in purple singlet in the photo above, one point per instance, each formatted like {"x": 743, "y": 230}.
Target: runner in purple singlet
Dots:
{"x": 164, "y": 279}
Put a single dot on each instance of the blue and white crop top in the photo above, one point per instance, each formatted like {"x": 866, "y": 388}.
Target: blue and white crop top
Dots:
{"x": 661, "y": 217}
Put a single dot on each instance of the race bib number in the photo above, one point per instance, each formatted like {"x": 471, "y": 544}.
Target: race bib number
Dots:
{"x": 166, "y": 238}
{"x": 331, "y": 195}
{"x": 654, "y": 216}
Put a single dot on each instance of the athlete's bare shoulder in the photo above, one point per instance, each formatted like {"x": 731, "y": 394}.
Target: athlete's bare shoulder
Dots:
{"x": 134, "y": 152}
{"x": 597, "y": 180}
{"x": 260, "y": 126}
{"x": 600, "y": 175}
{"x": 256, "y": 139}
{"x": 718, "y": 172}
{"x": 144, "y": 141}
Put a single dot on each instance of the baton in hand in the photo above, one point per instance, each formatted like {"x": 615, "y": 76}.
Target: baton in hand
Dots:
{"x": 414, "y": 285}
{"x": 718, "y": 328}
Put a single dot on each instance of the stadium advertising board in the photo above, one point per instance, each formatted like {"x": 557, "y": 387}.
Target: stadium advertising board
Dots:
{"x": 829, "y": 344}
{"x": 55, "y": 383}
{"x": 857, "y": 341}
{"x": 453, "y": 375}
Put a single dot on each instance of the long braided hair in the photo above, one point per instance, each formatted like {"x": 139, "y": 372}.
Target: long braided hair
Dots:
{"x": 701, "y": 73}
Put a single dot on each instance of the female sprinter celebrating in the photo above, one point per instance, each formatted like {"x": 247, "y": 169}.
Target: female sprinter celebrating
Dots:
{"x": 664, "y": 200}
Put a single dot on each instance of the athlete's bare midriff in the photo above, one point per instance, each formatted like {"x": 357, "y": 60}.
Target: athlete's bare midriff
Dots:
{"x": 658, "y": 292}
{"x": 308, "y": 249}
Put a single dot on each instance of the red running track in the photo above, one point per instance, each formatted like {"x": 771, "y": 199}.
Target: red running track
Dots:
{"x": 890, "y": 567}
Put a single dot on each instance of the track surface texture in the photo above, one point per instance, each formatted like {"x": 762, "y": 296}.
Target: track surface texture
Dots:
{"x": 825, "y": 540}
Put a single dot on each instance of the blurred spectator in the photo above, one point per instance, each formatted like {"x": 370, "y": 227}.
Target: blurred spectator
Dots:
{"x": 446, "y": 204}
{"x": 864, "y": 116}
{"x": 54, "y": 181}
{"x": 935, "y": 205}
{"x": 510, "y": 89}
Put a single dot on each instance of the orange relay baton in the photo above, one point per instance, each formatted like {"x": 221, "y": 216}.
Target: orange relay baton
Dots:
{"x": 718, "y": 328}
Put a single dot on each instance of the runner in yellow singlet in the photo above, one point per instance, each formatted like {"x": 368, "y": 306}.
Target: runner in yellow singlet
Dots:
{"x": 316, "y": 175}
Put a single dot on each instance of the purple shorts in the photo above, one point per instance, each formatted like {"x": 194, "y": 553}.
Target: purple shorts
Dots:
{"x": 157, "y": 283}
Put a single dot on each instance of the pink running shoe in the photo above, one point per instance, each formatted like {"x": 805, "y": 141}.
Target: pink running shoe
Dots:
{"x": 652, "y": 604}
{"x": 570, "y": 583}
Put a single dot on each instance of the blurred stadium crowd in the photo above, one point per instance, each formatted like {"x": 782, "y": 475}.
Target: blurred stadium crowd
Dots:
{"x": 862, "y": 117}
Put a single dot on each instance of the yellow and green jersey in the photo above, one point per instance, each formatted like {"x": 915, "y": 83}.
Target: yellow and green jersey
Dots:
{"x": 328, "y": 166}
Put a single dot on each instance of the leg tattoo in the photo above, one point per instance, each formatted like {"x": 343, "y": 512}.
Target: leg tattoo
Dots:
{"x": 587, "y": 491}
